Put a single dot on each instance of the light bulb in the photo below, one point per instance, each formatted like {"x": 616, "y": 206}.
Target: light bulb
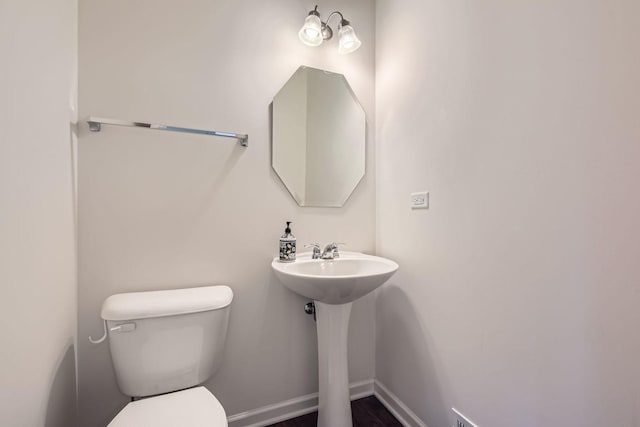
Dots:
{"x": 349, "y": 42}
{"x": 311, "y": 32}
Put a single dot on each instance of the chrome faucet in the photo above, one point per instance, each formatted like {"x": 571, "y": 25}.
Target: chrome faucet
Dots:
{"x": 331, "y": 251}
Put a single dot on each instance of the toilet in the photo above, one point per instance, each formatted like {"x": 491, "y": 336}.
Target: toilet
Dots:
{"x": 164, "y": 344}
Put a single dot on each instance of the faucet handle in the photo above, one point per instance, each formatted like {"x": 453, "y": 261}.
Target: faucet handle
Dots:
{"x": 316, "y": 250}
{"x": 335, "y": 245}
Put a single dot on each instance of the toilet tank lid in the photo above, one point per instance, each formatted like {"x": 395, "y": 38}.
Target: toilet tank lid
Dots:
{"x": 143, "y": 305}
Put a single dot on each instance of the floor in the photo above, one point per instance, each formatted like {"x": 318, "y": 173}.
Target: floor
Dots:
{"x": 366, "y": 412}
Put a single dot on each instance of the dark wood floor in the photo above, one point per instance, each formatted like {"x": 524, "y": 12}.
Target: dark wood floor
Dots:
{"x": 366, "y": 412}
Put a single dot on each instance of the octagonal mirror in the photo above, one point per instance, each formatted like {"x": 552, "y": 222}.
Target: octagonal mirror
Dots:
{"x": 318, "y": 139}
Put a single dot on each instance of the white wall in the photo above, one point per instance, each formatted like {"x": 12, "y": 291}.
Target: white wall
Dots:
{"x": 517, "y": 296}
{"x": 37, "y": 231}
{"x": 162, "y": 210}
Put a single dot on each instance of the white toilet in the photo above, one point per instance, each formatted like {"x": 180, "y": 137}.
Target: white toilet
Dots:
{"x": 164, "y": 344}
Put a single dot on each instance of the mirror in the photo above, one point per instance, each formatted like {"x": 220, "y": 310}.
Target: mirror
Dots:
{"x": 318, "y": 139}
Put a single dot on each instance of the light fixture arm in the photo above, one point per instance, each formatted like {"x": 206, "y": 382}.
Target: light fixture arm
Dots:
{"x": 334, "y": 13}
{"x": 327, "y": 32}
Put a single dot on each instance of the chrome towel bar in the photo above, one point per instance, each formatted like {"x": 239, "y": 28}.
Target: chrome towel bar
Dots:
{"x": 95, "y": 124}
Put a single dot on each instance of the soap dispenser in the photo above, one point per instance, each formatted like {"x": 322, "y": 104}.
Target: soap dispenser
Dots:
{"x": 287, "y": 245}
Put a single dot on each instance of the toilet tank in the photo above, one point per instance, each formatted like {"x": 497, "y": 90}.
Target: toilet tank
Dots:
{"x": 164, "y": 341}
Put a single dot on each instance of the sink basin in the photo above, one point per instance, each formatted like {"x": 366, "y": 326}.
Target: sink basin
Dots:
{"x": 336, "y": 281}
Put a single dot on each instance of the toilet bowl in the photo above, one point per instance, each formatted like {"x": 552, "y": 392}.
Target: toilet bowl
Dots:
{"x": 164, "y": 345}
{"x": 195, "y": 407}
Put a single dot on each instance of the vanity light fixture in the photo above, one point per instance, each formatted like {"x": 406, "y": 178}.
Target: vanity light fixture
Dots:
{"x": 315, "y": 31}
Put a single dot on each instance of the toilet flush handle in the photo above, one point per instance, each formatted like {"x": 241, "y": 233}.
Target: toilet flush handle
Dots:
{"x": 125, "y": 327}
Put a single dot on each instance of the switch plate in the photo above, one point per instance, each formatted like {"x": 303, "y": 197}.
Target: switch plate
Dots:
{"x": 419, "y": 200}
{"x": 461, "y": 420}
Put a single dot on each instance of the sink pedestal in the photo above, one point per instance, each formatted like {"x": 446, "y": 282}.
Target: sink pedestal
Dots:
{"x": 334, "y": 406}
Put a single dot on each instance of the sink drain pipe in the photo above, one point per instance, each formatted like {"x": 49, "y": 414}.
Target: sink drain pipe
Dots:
{"x": 310, "y": 308}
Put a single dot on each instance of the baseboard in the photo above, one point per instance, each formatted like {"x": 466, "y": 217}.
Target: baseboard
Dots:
{"x": 361, "y": 389}
{"x": 399, "y": 410}
{"x": 292, "y": 408}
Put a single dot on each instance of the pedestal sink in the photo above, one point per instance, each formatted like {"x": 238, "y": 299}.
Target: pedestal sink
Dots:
{"x": 333, "y": 285}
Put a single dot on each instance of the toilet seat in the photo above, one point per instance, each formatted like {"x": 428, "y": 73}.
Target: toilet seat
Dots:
{"x": 194, "y": 407}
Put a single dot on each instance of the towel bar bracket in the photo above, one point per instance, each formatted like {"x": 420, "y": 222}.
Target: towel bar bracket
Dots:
{"x": 94, "y": 126}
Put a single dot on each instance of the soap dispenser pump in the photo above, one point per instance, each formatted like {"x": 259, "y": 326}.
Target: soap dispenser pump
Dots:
{"x": 287, "y": 245}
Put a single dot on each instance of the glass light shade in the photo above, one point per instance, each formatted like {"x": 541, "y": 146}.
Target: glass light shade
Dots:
{"x": 349, "y": 42}
{"x": 311, "y": 32}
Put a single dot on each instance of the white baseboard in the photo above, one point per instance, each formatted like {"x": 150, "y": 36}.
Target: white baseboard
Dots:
{"x": 292, "y": 408}
{"x": 399, "y": 410}
{"x": 361, "y": 389}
